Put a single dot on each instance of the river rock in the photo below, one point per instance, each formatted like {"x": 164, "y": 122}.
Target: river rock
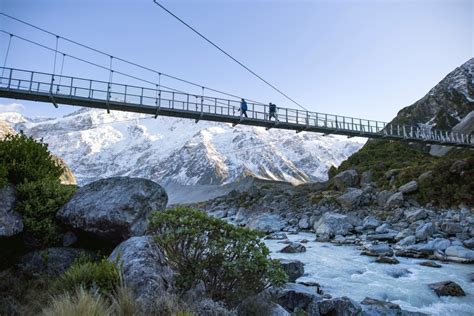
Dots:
{"x": 366, "y": 177}
{"x": 451, "y": 228}
{"x": 469, "y": 243}
{"x": 345, "y": 179}
{"x": 403, "y": 234}
{"x": 277, "y": 236}
{"x": 378, "y": 250}
{"x": 294, "y": 296}
{"x": 425, "y": 231}
{"x": 447, "y": 288}
{"x": 415, "y": 215}
{"x": 115, "y": 208}
{"x": 343, "y": 306}
{"x": 144, "y": 269}
{"x": 50, "y": 261}
{"x": 394, "y": 201}
{"x": 407, "y": 241}
{"x": 388, "y": 260}
{"x": 10, "y": 221}
{"x": 382, "y": 197}
{"x": 293, "y": 268}
{"x": 293, "y": 247}
{"x": 370, "y": 222}
{"x": 430, "y": 264}
{"x": 372, "y": 306}
{"x": 460, "y": 254}
{"x": 304, "y": 222}
{"x": 333, "y": 224}
{"x": 409, "y": 187}
{"x": 267, "y": 223}
{"x": 389, "y": 236}
{"x": 438, "y": 244}
{"x": 350, "y": 199}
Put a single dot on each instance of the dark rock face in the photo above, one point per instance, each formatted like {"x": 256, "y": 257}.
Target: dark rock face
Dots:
{"x": 447, "y": 288}
{"x": 293, "y": 247}
{"x": 345, "y": 179}
{"x": 115, "y": 208}
{"x": 293, "y": 268}
{"x": 10, "y": 221}
{"x": 144, "y": 269}
{"x": 51, "y": 261}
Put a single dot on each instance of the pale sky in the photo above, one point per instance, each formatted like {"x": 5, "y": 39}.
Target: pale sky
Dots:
{"x": 364, "y": 59}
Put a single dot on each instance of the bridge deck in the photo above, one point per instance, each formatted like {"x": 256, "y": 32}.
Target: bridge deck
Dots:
{"x": 44, "y": 87}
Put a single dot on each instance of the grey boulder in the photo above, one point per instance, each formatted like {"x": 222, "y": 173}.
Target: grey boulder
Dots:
{"x": 144, "y": 269}
{"x": 339, "y": 306}
{"x": 114, "y": 209}
{"x": 394, "y": 201}
{"x": 447, "y": 288}
{"x": 409, "y": 187}
{"x": 10, "y": 221}
{"x": 460, "y": 254}
{"x": 267, "y": 223}
{"x": 293, "y": 247}
{"x": 345, "y": 179}
{"x": 332, "y": 224}
{"x": 293, "y": 268}
{"x": 415, "y": 215}
{"x": 378, "y": 250}
{"x": 425, "y": 231}
{"x": 351, "y": 198}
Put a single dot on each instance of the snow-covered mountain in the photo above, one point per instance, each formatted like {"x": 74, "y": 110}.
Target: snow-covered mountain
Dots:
{"x": 177, "y": 151}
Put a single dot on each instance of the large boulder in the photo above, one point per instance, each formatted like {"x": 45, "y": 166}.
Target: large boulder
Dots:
{"x": 351, "y": 198}
{"x": 451, "y": 228}
{"x": 378, "y": 250}
{"x": 50, "y": 261}
{"x": 267, "y": 223}
{"x": 372, "y": 306}
{"x": 293, "y": 268}
{"x": 460, "y": 254}
{"x": 424, "y": 231}
{"x": 415, "y": 215}
{"x": 345, "y": 179}
{"x": 114, "y": 209}
{"x": 332, "y": 224}
{"x": 144, "y": 269}
{"x": 370, "y": 222}
{"x": 10, "y": 221}
{"x": 447, "y": 288}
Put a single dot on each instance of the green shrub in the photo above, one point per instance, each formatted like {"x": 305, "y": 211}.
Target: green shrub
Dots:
{"x": 101, "y": 275}
{"x": 232, "y": 262}
{"x": 3, "y": 175}
{"x": 38, "y": 202}
{"x": 27, "y": 160}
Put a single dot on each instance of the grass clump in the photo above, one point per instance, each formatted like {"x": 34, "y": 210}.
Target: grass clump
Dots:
{"x": 102, "y": 276}
{"x": 78, "y": 303}
{"x": 232, "y": 262}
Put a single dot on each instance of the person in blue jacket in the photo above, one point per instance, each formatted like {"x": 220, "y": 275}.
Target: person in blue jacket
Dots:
{"x": 272, "y": 111}
{"x": 243, "y": 108}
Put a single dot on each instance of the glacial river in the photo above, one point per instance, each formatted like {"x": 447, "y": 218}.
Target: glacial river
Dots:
{"x": 342, "y": 271}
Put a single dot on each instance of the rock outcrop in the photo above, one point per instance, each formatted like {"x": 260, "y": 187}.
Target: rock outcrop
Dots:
{"x": 10, "y": 221}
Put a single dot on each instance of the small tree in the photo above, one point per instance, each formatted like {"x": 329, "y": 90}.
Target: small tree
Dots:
{"x": 232, "y": 262}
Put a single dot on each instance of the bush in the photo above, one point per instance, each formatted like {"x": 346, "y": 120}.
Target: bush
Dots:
{"x": 38, "y": 202}
{"x": 232, "y": 262}
{"x": 27, "y": 160}
{"x": 103, "y": 276}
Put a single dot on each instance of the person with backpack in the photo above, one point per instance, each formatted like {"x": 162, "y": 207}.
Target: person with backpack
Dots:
{"x": 272, "y": 111}
{"x": 243, "y": 108}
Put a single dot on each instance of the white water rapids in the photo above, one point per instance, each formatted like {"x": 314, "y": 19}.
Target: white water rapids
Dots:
{"x": 342, "y": 271}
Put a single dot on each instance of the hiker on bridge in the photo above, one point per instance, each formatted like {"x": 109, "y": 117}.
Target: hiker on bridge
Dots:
{"x": 272, "y": 111}
{"x": 243, "y": 108}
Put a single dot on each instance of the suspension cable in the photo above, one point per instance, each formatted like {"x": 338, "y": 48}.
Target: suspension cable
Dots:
{"x": 61, "y": 73}
{"x": 126, "y": 61}
{"x": 228, "y": 55}
{"x": 6, "y": 54}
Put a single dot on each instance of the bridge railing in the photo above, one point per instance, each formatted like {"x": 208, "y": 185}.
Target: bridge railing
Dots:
{"x": 66, "y": 86}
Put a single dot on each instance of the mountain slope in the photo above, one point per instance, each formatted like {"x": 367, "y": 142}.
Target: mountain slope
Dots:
{"x": 178, "y": 151}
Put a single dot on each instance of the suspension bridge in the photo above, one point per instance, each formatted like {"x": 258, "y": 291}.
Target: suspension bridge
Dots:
{"x": 160, "y": 100}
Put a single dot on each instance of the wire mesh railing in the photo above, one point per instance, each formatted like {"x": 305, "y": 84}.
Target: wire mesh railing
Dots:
{"x": 111, "y": 92}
